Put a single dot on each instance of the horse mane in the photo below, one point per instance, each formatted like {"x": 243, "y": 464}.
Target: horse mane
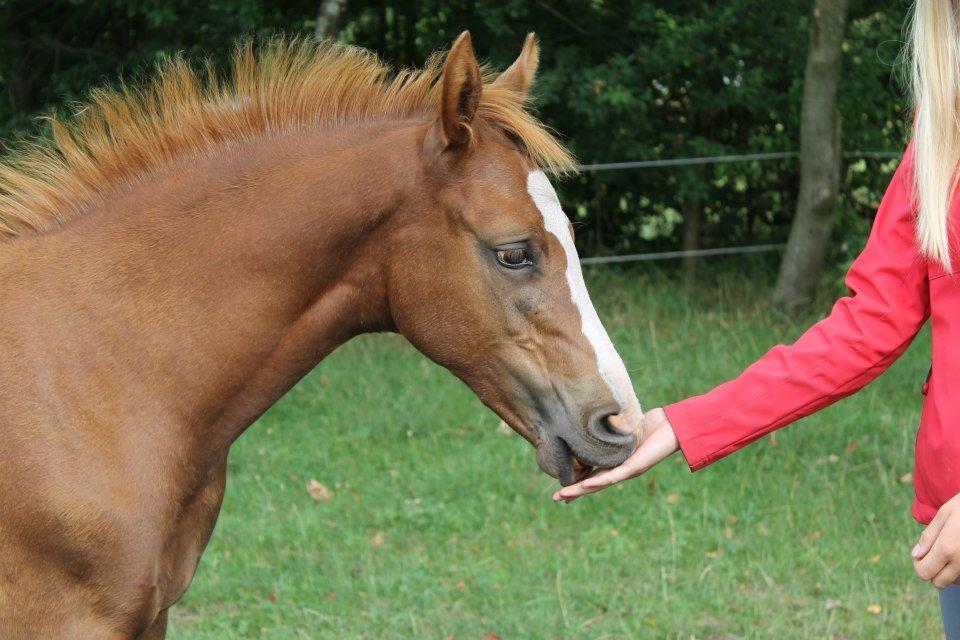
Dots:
{"x": 120, "y": 134}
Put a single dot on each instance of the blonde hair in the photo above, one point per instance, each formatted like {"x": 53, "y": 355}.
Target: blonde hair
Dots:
{"x": 935, "y": 62}
{"x": 119, "y": 135}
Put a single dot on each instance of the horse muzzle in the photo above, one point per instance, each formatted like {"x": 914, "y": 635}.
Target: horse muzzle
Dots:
{"x": 570, "y": 456}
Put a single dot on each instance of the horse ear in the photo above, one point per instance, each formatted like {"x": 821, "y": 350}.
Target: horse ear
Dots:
{"x": 519, "y": 76}
{"x": 462, "y": 85}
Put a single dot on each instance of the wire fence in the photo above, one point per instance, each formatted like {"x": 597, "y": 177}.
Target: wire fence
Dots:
{"x": 738, "y": 157}
{"x": 667, "y": 255}
{"x": 681, "y": 162}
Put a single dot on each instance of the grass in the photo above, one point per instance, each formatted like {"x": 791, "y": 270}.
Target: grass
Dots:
{"x": 440, "y": 526}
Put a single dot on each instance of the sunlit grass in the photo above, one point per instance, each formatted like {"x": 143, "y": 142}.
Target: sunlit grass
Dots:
{"x": 441, "y": 526}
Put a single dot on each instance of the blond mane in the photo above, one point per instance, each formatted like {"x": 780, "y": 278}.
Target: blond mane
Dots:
{"x": 119, "y": 135}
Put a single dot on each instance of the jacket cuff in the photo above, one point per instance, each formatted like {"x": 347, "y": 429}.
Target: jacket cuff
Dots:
{"x": 685, "y": 428}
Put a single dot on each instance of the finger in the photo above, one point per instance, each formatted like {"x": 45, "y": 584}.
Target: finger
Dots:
{"x": 593, "y": 484}
{"x": 930, "y": 565}
{"x": 947, "y": 576}
{"x": 657, "y": 447}
{"x": 930, "y": 534}
{"x": 632, "y": 466}
{"x": 610, "y": 477}
{"x": 601, "y": 480}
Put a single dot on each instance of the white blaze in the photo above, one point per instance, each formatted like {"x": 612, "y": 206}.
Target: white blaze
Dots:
{"x": 608, "y": 360}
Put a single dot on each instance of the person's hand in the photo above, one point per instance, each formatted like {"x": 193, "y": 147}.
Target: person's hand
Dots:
{"x": 937, "y": 556}
{"x": 659, "y": 442}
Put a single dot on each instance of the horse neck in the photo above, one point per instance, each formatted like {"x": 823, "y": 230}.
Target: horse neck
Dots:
{"x": 205, "y": 294}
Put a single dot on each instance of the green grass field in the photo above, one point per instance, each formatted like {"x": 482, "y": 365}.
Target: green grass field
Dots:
{"x": 440, "y": 526}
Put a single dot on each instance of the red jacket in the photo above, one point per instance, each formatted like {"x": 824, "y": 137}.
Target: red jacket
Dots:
{"x": 893, "y": 290}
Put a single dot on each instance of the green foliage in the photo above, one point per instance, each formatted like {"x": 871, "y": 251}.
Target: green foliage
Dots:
{"x": 620, "y": 80}
{"x": 439, "y": 525}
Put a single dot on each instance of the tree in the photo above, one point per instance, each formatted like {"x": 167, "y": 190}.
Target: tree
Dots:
{"x": 620, "y": 80}
{"x": 328, "y": 18}
{"x": 820, "y": 156}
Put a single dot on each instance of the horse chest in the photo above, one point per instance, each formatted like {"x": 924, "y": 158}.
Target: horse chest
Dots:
{"x": 190, "y": 535}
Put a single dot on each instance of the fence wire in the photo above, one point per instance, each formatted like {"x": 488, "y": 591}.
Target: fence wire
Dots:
{"x": 666, "y": 255}
{"x": 680, "y": 162}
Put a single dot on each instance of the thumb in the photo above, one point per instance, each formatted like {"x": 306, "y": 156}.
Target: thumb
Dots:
{"x": 929, "y": 535}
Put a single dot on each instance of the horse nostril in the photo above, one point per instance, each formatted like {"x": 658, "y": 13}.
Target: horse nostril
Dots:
{"x": 602, "y": 429}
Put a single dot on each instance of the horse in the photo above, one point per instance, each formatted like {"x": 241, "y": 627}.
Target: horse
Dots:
{"x": 176, "y": 255}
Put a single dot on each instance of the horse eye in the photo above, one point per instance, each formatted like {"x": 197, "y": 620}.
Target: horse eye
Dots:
{"x": 514, "y": 257}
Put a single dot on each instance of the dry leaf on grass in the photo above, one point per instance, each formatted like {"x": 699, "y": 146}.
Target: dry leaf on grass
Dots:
{"x": 318, "y": 491}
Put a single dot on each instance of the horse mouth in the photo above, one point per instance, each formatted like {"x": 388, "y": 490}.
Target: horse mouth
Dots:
{"x": 570, "y": 461}
{"x": 571, "y": 469}
{"x": 557, "y": 458}
{"x": 581, "y": 470}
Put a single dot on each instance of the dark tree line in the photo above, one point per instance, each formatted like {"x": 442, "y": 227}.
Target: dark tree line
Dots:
{"x": 620, "y": 80}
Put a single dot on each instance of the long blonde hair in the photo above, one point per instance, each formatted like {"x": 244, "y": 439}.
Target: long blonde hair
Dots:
{"x": 935, "y": 62}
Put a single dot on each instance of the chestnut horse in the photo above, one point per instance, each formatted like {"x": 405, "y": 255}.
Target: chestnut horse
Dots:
{"x": 175, "y": 257}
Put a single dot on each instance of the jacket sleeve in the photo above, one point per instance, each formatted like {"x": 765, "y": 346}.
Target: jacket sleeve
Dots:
{"x": 864, "y": 333}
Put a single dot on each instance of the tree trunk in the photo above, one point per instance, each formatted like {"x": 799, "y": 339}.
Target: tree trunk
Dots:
{"x": 692, "y": 210}
{"x": 819, "y": 158}
{"x": 328, "y": 17}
